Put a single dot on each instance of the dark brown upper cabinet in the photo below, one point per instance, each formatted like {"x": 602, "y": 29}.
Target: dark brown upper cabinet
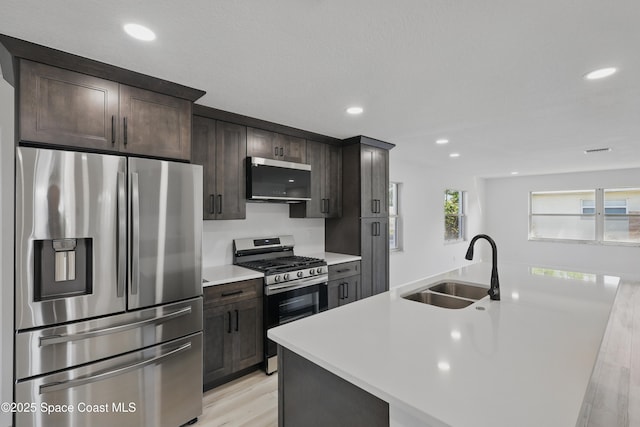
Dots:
{"x": 220, "y": 147}
{"x": 374, "y": 170}
{"x": 326, "y": 183}
{"x": 154, "y": 124}
{"x": 277, "y": 146}
{"x": 70, "y": 109}
{"x": 61, "y": 107}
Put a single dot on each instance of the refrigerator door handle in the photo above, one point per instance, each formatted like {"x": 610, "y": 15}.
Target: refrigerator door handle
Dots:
{"x": 135, "y": 233}
{"x": 58, "y": 339}
{"x": 121, "y": 245}
{"x": 63, "y": 385}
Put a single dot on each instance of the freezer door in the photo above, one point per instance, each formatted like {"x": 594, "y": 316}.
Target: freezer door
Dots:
{"x": 70, "y": 254}
{"x": 165, "y": 239}
{"x": 158, "y": 386}
{"x": 40, "y": 351}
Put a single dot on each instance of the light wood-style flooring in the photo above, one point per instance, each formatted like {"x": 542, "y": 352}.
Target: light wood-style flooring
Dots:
{"x": 250, "y": 401}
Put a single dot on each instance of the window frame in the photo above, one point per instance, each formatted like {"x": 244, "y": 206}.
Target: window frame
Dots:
{"x": 461, "y": 215}
{"x": 394, "y": 218}
{"x": 599, "y": 216}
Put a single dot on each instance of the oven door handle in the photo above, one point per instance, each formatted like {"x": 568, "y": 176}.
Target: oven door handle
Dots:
{"x": 276, "y": 289}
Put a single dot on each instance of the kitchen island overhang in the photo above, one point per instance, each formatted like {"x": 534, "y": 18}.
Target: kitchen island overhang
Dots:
{"x": 525, "y": 360}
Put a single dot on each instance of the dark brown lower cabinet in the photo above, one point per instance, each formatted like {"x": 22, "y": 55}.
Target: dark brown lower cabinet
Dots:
{"x": 311, "y": 396}
{"x": 374, "y": 233}
{"x": 342, "y": 291}
{"x": 232, "y": 330}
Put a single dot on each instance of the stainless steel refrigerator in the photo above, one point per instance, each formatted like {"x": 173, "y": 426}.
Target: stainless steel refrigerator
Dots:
{"x": 108, "y": 298}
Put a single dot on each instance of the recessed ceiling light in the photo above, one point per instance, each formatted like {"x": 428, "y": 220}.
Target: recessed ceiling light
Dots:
{"x": 442, "y": 141}
{"x": 355, "y": 110}
{"x": 139, "y": 32}
{"x": 601, "y": 73}
{"x": 514, "y": 173}
{"x": 454, "y": 155}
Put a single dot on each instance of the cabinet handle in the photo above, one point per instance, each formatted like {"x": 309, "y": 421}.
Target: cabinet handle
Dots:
{"x": 219, "y": 203}
{"x": 373, "y": 205}
{"x": 229, "y": 319}
{"x": 237, "y": 320}
{"x": 344, "y": 270}
{"x": 212, "y": 201}
{"x": 281, "y": 151}
{"x": 340, "y": 291}
{"x": 228, "y": 294}
{"x": 346, "y": 290}
{"x": 275, "y": 151}
{"x": 125, "y": 130}
{"x": 113, "y": 129}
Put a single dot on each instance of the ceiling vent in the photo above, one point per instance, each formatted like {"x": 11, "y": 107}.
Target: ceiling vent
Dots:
{"x": 597, "y": 150}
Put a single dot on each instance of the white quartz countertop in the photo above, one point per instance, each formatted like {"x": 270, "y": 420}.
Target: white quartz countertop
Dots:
{"x": 522, "y": 361}
{"x": 227, "y": 273}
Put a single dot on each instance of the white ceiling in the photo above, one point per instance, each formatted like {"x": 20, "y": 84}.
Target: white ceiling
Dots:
{"x": 501, "y": 79}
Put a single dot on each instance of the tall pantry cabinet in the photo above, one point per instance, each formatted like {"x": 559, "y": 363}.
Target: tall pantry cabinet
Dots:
{"x": 363, "y": 228}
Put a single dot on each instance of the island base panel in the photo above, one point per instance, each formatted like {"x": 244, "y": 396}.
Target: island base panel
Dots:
{"x": 311, "y": 396}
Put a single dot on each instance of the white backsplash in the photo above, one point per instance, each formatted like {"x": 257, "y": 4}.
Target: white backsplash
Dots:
{"x": 263, "y": 220}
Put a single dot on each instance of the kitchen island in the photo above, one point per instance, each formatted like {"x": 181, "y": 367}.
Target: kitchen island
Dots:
{"x": 526, "y": 360}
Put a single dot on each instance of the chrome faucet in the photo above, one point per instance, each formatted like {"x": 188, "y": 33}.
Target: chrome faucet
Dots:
{"x": 494, "y": 291}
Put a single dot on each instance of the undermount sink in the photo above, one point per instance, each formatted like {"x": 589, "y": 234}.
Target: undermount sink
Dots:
{"x": 449, "y": 295}
{"x": 460, "y": 290}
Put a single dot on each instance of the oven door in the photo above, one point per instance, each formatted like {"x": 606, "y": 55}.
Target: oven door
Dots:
{"x": 285, "y": 305}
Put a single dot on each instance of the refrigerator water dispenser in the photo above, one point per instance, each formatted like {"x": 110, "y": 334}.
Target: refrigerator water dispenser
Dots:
{"x": 62, "y": 268}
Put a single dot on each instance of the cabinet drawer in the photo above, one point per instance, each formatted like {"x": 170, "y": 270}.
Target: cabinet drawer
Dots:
{"x": 345, "y": 269}
{"x": 233, "y": 292}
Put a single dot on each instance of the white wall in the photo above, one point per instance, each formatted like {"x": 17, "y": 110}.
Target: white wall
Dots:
{"x": 507, "y": 211}
{"x": 424, "y": 251}
{"x": 263, "y": 219}
{"x": 6, "y": 246}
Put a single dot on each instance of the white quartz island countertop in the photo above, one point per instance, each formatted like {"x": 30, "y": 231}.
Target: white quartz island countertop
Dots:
{"x": 523, "y": 361}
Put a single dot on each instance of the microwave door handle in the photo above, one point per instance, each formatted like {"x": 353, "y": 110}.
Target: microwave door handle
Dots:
{"x": 135, "y": 234}
{"x": 121, "y": 245}
{"x": 63, "y": 385}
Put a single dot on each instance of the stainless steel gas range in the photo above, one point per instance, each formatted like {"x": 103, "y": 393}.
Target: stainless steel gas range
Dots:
{"x": 295, "y": 286}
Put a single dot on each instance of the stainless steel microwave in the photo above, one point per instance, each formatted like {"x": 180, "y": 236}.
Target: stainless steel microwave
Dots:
{"x": 277, "y": 181}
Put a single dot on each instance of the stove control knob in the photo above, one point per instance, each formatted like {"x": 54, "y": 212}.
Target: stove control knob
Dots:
{"x": 286, "y": 276}
{"x": 312, "y": 272}
{"x": 300, "y": 274}
{"x": 319, "y": 270}
{"x": 277, "y": 278}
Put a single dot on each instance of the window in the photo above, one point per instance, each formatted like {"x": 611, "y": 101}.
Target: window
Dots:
{"x": 454, "y": 218}
{"x": 394, "y": 218}
{"x": 600, "y": 215}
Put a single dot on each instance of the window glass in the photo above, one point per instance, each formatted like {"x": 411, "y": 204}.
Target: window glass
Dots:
{"x": 453, "y": 215}
{"x": 600, "y": 215}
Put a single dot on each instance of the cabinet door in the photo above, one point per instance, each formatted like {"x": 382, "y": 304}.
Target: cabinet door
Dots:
{"x": 231, "y": 151}
{"x": 315, "y": 157}
{"x": 154, "y": 124}
{"x": 218, "y": 346}
{"x": 380, "y": 254}
{"x": 333, "y": 180}
{"x": 202, "y": 153}
{"x": 261, "y": 143}
{"x": 375, "y": 256}
{"x": 350, "y": 289}
{"x": 290, "y": 148}
{"x": 334, "y": 293}
{"x": 247, "y": 330}
{"x": 65, "y": 108}
{"x": 374, "y": 181}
